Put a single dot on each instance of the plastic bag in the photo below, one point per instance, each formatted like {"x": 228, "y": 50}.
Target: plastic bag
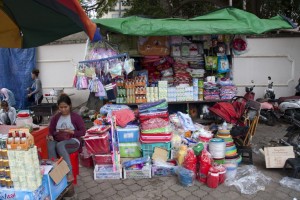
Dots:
{"x": 129, "y": 65}
{"x": 211, "y": 62}
{"x": 249, "y": 180}
{"x": 223, "y": 64}
{"x": 190, "y": 160}
{"x": 167, "y": 72}
{"x": 186, "y": 177}
{"x": 205, "y": 164}
{"x": 186, "y": 121}
{"x": 137, "y": 161}
{"x": 292, "y": 183}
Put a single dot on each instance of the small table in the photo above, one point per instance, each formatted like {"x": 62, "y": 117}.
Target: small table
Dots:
{"x": 53, "y": 98}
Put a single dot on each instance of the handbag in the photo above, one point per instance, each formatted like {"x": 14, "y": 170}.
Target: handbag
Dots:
{"x": 61, "y": 136}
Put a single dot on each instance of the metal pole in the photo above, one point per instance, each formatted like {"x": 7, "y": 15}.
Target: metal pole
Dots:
{"x": 119, "y": 7}
{"x": 244, "y": 4}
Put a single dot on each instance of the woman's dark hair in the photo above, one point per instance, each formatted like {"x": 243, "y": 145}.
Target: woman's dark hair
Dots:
{"x": 64, "y": 98}
{"x": 4, "y": 103}
{"x": 35, "y": 72}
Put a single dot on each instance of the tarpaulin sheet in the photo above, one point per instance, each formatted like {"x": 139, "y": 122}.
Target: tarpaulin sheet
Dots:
{"x": 223, "y": 21}
{"x": 15, "y": 72}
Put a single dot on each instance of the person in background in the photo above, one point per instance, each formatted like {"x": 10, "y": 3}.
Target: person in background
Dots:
{"x": 35, "y": 91}
{"x": 8, "y": 96}
{"x": 8, "y": 114}
{"x": 65, "y": 130}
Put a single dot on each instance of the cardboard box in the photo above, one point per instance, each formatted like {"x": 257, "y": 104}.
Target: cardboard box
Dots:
{"x": 55, "y": 178}
{"x": 41, "y": 193}
{"x": 275, "y": 157}
{"x": 29, "y": 139}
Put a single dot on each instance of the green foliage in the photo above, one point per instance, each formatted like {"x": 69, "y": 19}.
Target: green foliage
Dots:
{"x": 97, "y": 8}
{"x": 288, "y": 8}
{"x": 146, "y": 9}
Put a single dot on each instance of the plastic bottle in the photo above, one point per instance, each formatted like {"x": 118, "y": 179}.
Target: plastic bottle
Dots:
{"x": 224, "y": 126}
{"x": 10, "y": 138}
{"x": 23, "y": 138}
{"x": 17, "y": 138}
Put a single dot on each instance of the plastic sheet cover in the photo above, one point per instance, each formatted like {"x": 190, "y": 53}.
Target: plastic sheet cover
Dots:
{"x": 15, "y": 72}
{"x": 249, "y": 180}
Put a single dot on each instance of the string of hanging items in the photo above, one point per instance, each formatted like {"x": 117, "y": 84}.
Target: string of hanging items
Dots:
{"x": 96, "y": 74}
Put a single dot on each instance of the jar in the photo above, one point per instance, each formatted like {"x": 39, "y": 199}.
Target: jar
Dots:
{"x": 213, "y": 177}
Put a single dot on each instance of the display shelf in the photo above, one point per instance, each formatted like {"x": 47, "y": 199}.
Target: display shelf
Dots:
{"x": 180, "y": 102}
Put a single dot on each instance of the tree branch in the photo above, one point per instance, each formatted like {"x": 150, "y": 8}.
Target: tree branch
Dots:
{"x": 184, "y": 2}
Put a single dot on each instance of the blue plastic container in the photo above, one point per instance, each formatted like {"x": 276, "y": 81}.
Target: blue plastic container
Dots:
{"x": 128, "y": 134}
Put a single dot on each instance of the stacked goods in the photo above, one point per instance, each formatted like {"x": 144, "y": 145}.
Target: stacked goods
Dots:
{"x": 155, "y": 127}
{"x": 228, "y": 92}
{"x": 195, "y": 89}
{"x": 162, "y": 89}
{"x": 189, "y": 95}
{"x": 128, "y": 138}
{"x": 24, "y": 169}
{"x": 171, "y": 94}
{"x": 5, "y": 175}
{"x": 231, "y": 155}
{"x": 152, "y": 94}
{"x": 97, "y": 144}
{"x": 181, "y": 76}
{"x": 211, "y": 91}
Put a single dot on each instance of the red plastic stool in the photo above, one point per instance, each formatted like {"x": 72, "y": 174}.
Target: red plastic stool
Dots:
{"x": 75, "y": 165}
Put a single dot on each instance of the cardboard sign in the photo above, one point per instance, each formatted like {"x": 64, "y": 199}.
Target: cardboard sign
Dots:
{"x": 275, "y": 157}
{"x": 59, "y": 171}
{"x": 160, "y": 154}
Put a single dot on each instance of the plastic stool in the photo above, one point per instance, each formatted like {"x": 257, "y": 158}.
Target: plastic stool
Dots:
{"x": 75, "y": 165}
{"x": 295, "y": 164}
{"x": 242, "y": 150}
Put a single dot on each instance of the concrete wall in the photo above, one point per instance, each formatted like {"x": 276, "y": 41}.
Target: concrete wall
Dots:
{"x": 57, "y": 69}
{"x": 276, "y": 57}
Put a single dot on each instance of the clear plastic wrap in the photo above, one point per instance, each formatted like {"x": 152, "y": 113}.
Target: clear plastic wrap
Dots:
{"x": 249, "y": 180}
{"x": 289, "y": 182}
{"x": 186, "y": 177}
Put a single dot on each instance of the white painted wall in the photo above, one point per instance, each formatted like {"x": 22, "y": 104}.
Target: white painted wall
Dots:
{"x": 57, "y": 69}
{"x": 276, "y": 57}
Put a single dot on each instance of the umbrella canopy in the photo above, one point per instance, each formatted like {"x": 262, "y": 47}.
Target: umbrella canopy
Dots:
{"x": 32, "y": 23}
{"x": 223, "y": 21}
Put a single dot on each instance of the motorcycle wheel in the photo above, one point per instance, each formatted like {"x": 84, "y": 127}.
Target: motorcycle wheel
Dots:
{"x": 294, "y": 138}
{"x": 271, "y": 120}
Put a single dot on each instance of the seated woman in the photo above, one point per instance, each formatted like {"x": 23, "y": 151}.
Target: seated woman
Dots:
{"x": 8, "y": 96}
{"x": 8, "y": 114}
{"x": 65, "y": 130}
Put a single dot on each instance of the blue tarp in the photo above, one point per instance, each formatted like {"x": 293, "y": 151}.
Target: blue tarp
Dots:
{"x": 15, "y": 72}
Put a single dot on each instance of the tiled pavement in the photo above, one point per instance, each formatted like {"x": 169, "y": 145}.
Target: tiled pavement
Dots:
{"x": 169, "y": 188}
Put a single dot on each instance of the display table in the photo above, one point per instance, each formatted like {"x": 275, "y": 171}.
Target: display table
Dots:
{"x": 39, "y": 136}
{"x": 53, "y": 98}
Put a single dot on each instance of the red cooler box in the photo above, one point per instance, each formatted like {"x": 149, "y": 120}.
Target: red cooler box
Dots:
{"x": 97, "y": 144}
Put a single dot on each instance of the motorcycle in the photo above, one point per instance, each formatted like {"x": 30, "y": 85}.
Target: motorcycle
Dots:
{"x": 267, "y": 113}
{"x": 269, "y": 92}
{"x": 292, "y": 137}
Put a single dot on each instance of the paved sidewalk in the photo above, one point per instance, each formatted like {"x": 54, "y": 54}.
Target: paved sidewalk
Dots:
{"x": 169, "y": 188}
